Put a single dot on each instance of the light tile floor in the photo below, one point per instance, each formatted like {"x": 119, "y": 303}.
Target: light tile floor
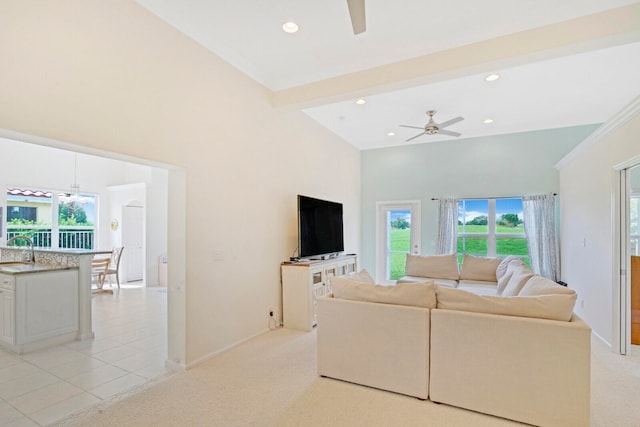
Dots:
{"x": 129, "y": 349}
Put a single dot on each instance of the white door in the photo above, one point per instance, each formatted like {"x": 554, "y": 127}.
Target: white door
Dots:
{"x": 397, "y": 234}
{"x": 132, "y": 241}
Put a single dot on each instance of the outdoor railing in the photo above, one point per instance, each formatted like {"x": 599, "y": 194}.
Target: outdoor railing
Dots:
{"x": 69, "y": 237}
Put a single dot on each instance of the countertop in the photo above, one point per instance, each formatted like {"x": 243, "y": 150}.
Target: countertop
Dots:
{"x": 16, "y": 267}
{"x": 60, "y": 251}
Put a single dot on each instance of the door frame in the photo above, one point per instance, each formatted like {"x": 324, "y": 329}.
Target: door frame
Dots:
{"x": 381, "y": 233}
{"x": 621, "y": 310}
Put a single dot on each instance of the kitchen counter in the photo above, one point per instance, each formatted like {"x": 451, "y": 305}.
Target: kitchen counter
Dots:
{"x": 61, "y": 259}
{"x": 13, "y": 267}
{"x": 39, "y": 305}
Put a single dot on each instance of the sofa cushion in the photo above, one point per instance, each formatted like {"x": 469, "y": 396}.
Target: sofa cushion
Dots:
{"x": 479, "y": 268}
{"x": 477, "y": 287}
{"x": 502, "y": 267}
{"x": 436, "y": 266}
{"x": 505, "y": 271}
{"x": 552, "y": 307}
{"x": 361, "y": 276}
{"x": 517, "y": 280}
{"x": 414, "y": 294}
{"x": 417, "y": 279}
{"x": 539, "y": 285}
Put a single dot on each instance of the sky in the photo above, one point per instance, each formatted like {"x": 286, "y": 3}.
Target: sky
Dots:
{"x": 400, "y": 214}
{"x": 475, "y": 208}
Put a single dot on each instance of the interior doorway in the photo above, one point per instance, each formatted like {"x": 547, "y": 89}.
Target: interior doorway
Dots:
{"x": 626, "y": 292}
{"x": 45, "y": 167}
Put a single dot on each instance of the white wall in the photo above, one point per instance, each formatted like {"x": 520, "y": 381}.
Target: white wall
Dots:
{"x": 498, "y": 166}
{"x": 111, "y": 76}
{"x": 587, "y": 190}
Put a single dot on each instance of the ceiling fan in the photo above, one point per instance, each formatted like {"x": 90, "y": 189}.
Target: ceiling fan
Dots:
{"x": 432, "y": 128}
{"x": 356, "y": 10}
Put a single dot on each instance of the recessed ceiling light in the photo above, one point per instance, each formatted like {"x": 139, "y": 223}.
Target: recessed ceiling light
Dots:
{"x": 492, "y": 77}
{"x": 391, "y": 134}
{"x": 488, "y": 121}
{"x": 290, "y": 27}
{"x": 361, "y": 101}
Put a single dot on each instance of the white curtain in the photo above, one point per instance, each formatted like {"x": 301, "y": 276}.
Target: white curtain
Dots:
{"x": 540, "y": 229}
{"x": 447, "y": 226}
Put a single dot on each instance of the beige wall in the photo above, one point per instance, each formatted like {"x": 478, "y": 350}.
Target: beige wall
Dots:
{"x": 587, "y": 182}
{"x": 110, "y": 76}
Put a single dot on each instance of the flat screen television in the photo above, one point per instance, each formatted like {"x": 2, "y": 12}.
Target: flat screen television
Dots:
{"x": 319, "y": 227}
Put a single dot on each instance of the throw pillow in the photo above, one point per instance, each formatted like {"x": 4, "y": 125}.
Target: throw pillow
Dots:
{"x": 551, "y": 307}
{"x": 361, "y": 276}
{"x": 435, "y": 266}
{"x": 539, "y": 285}
{"x": 479, "y": 268}
{"x": 413, "y": 294}
{"x": 502, "y": 267}
{"x": 517, "y": 280}
{"x": 506, "y": 271}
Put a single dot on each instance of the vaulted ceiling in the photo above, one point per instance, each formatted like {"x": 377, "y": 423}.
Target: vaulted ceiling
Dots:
{"x": 561, "y": 63}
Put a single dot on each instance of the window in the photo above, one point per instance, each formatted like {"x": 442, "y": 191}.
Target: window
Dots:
{"x": 33, "y": 213}
{"x": 491, "y": 227}
{"x": 24, "y": 213}
{"x": 398, "y": 235}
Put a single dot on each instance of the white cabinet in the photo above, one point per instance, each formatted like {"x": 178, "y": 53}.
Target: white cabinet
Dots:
{"x": 303, "y": 282}
{"x": 7, "y": 308}
{"x": 38, "y": 309}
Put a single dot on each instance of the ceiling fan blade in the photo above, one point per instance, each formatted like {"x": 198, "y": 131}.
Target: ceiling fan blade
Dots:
{"x": 356, "y": 10}
{"x": 450, "y": 122}
{"x": 414, "y": 137}
{"x": 412, "y": 127}
{"x": 448, "y": 132}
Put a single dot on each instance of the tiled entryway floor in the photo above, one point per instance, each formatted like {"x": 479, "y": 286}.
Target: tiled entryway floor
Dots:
{"x": 129, "y": 349}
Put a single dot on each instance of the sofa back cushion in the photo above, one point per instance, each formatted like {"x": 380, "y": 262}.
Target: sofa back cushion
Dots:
{"x": 552, "y": 307}
{"x": 539, "y": 285}
{"x": 519, "y": 276}
{"x": 479, "y": 268}
{"x": 435, "y": 266}
{"x": 361, "y": 276}
{"x": 502, "y": 267}
{"x": 414, "y": 294}
{"x": 505, "y": 271}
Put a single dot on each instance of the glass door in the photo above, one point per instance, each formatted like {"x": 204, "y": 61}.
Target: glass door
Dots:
{"x": 398, "y": 234}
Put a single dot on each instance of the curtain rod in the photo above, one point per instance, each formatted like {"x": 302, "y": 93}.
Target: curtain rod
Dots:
{"x": 486, "y": 198}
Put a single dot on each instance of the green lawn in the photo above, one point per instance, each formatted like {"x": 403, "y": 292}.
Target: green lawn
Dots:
{"x": 401, "y": 241}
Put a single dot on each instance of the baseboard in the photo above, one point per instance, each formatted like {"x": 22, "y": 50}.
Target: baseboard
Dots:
{"x": 605, "y": 342}
{"x": 174, "y": 366}
{"x": 223, "y": 350}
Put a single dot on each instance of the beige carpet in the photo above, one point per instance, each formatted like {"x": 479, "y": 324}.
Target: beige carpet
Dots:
{"x": 272, "y": 381}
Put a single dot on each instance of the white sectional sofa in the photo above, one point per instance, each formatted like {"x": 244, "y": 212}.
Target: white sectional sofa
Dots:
{"x": 518, "y": 353}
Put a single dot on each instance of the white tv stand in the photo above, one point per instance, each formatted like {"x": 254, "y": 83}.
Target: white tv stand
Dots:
{"x": 303, "y": 282}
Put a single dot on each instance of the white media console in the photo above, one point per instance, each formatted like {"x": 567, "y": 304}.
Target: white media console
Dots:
{"x": 303, "y": 282}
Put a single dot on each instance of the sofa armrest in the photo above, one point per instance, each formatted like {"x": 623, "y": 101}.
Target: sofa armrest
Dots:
{"x": 384, "y": 346}
{"x": 531, "y": 370}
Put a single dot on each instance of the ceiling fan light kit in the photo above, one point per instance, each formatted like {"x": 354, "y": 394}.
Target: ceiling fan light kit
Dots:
{"x": 433, "y": 128}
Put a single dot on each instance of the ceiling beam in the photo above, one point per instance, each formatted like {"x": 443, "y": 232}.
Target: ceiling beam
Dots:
{"x": 592, "y": 32}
